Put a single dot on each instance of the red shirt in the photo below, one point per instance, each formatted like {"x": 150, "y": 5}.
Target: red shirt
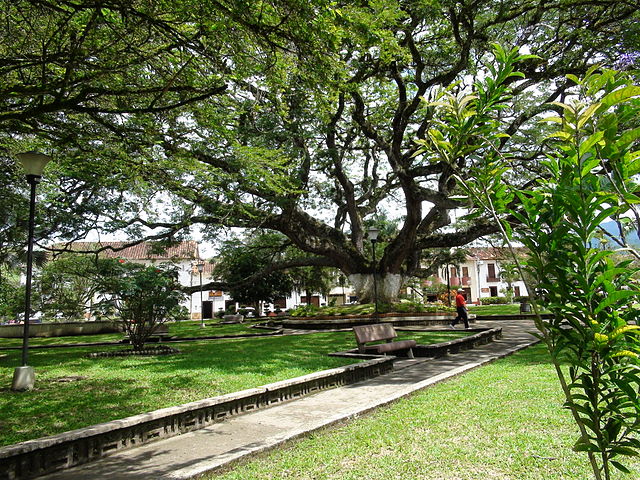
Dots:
{"x": 460, "y": 302}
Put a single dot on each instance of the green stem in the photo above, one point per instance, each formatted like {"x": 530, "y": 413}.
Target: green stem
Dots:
{"x": 488, "y": 205}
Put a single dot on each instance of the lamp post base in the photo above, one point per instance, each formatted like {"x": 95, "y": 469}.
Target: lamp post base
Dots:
{"x": 23, "y": 379}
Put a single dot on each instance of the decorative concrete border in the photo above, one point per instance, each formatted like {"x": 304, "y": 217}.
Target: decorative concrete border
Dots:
{"x": 513, "y": 316}
{"x": 348, "y": 321}
{"x": 58, "y": 329}
{"x": 457, "y": 345}
{"x": 33, "y": 458}
{"x": 481, "y": 337}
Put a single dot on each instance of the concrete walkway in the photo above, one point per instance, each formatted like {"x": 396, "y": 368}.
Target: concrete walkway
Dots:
{"x": 214, "y": 447}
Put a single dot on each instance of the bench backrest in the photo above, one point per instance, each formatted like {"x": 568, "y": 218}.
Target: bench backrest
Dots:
{"x": 372, "y": 333}
{"x": 161, "y": 328}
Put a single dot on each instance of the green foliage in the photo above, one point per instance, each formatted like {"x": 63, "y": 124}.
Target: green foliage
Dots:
{"x": 495, "y": 300}
{"x": 369, "y": 308}
{"x": 243, "y": 265}
{"x": 590, "y": 177}
{"x": 67, "y": 285}
{"x": 12, "y": 298}
{"x": 312, "y": 280}
{"x": 142, "y": 297}
{"x": 312, "y": 310}
{"x": 406, "y": 306}
{"x": 590, "y": 291}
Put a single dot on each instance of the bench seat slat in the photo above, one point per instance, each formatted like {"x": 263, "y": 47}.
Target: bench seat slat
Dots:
{"x": 381, "y": 332}
{"x": 393, "y": 346}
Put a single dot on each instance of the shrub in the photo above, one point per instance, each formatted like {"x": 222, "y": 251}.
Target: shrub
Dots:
{"x": 304, "y": 311}
{"x": 494, "y": 300}
{"x": 142, "y": 297}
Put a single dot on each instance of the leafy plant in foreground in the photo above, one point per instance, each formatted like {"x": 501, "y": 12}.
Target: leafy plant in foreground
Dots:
{"x": 590, "y": 176}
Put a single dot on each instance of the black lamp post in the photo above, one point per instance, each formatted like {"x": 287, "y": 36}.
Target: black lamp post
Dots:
{"x": 448, "y": 285}
{"x": 200, "y": 267}
{"x": 33, "y": 164}
{"x": 373, "y": 236}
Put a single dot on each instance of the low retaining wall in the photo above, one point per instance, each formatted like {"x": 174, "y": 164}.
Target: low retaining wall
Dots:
{"x": 33, "y": 458}
{"x": 515, "y": 316}
{"x": 454, "y": 346}
{"x": 61, "y": 329}
{"x": 481, "y": 337}
{"x": 328, "y": 322}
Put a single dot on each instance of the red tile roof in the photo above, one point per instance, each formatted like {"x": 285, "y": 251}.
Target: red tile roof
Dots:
{"x": 493, "y": 253}
{"x": 208, "y": 268}
{"x": 185, "y": 250}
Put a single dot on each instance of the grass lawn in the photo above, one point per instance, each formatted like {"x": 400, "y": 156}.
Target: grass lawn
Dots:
{"x": 112, "y": 388}
{"x": 503, "y": 421}
{"x": 185, "y": 329}
{"x": 511, "y": 309}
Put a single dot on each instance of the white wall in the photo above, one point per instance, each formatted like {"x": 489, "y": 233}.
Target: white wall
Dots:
{"x": 478, "y": 283}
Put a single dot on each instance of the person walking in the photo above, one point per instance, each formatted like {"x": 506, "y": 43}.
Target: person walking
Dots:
{"x": 461, "y": 308}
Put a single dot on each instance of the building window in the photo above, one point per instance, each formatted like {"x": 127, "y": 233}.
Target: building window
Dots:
{"x": 516, "y": 291}
{"x": 465, "y": 271}
{"x": 491, "y": 272}
{"x": 494, "y": 291}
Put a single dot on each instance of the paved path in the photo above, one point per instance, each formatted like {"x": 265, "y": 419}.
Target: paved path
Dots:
{"x": 187, "y": 456}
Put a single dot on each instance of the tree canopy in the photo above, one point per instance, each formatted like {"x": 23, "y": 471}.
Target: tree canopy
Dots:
{"x": 294, "y": 117}
{"x": 246, "y": 267}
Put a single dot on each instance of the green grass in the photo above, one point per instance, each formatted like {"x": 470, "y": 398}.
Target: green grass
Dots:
{"x": 112, "y": 388}
{"x": 512, "y": 309}
{"x": 503, "y": 421}
{"x": 184, "y": 329}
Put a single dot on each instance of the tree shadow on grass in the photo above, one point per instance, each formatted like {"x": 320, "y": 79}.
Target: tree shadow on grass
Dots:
{"x": 117, "y": 387}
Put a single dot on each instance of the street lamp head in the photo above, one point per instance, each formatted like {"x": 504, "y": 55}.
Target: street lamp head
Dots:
{"x": 33, "y": 162}
{"x": 373, "y": 233}
{"x": 200, "y": 267}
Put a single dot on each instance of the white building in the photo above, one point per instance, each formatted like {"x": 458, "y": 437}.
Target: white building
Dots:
{"x": 482, "y": 274}
{"x": 184, "y": 255}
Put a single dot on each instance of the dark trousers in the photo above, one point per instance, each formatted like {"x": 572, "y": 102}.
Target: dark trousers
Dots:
{"x": 462, "y": 315}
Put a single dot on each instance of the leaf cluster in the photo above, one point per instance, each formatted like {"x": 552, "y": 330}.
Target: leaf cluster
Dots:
{"x": 592, "y": 293}
{"x": 142, "y": 297}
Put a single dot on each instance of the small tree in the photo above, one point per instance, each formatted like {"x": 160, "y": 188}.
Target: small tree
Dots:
{"x": 11, "y": 298}
{"x": 592, "y": 294}
{"x": 242, "y": 266}
{"x": 67, "y": 285}
{"x": 142, "y": 297}
{"x": 312, "y": 280}
{"x": 509, "y": 274}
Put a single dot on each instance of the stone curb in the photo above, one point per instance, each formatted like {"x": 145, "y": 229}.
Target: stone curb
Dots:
{"x": 45, "y": 455}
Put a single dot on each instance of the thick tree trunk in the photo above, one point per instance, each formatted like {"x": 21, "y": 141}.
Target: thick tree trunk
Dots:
{"x": 388, "y": 286}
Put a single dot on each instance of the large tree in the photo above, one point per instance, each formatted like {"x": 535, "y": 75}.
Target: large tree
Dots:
{"x": 347, "y": 144}
{"x": 315, "y": 137}
{"x": 92, "y": 82}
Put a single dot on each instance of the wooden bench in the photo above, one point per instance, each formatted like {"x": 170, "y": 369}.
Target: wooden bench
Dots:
{"x": 381, "y": 332}
{"x": 161, "y": 331}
